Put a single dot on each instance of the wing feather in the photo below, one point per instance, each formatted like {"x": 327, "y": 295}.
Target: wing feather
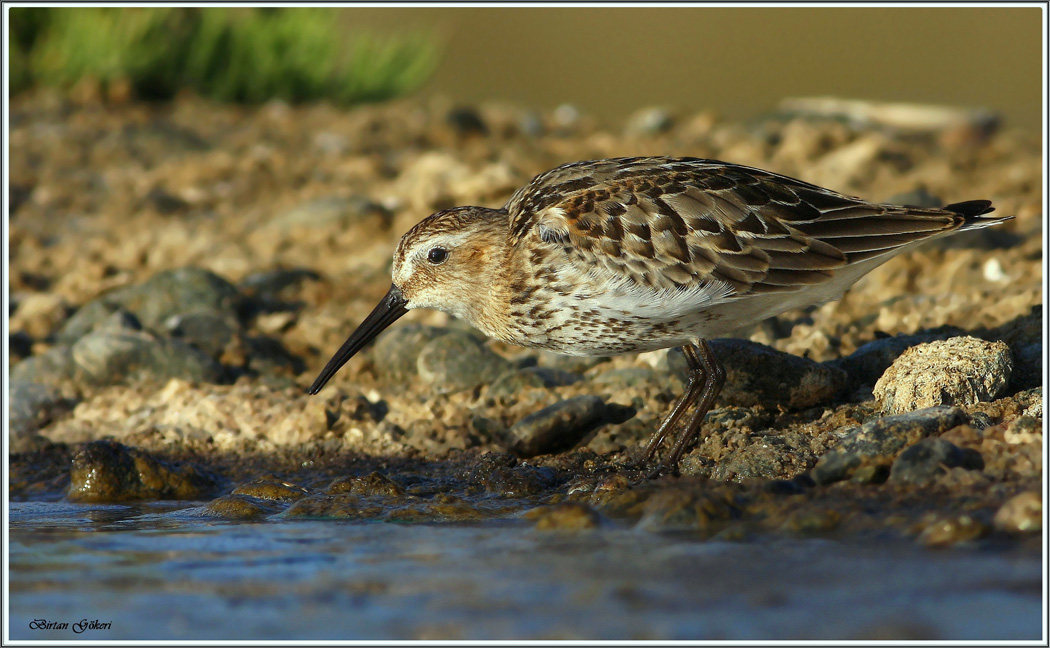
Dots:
{"x": 686, "y": 223}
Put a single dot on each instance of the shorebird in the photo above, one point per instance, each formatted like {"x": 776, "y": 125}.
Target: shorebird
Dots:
{"x": 634, "y": 254}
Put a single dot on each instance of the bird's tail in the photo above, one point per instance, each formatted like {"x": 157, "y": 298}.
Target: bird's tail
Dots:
{"x": 973, "y": 211}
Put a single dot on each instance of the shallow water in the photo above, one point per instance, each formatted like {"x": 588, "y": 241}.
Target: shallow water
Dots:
{"x": 162, "y": 571}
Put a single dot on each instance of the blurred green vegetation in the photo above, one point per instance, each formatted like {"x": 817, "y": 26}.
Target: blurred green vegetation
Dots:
{"x": 229, "y": 54}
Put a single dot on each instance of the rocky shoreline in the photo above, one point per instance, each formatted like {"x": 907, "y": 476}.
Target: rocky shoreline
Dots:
{"x": 179, "y": 272}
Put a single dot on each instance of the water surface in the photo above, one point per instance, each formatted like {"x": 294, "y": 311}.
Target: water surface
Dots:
{"x": 162, "y": 571}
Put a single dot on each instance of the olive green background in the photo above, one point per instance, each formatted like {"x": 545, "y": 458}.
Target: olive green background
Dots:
{"x": 739, "y": 61}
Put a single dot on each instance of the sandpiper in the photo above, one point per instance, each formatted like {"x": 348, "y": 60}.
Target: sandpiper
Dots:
{"x": 634, "y": 254}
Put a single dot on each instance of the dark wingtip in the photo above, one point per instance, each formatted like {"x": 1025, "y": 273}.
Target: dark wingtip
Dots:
{"x": 971, "y": 208}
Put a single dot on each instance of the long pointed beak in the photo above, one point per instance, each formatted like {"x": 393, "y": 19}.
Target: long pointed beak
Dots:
{"x": 383, "y": 315}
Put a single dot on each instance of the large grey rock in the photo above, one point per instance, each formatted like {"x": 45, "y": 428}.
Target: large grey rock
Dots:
{"x": 155, "y": 301}
{"x": 122, "y": 357}
{"x": 558, "y": 427}
{"x": 396, "y": 352}
{"x": 886, "y": 436}
{"x": 760, "y": 375}
{"x": 457, "y": 361}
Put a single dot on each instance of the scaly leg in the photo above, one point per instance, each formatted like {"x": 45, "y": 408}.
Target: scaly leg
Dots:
{"x": 706, "y": 377}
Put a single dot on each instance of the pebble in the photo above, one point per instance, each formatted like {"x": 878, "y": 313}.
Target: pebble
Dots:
{"x": 165, "y": 202}
{"x": 396, "y": 352}
{"x": 557, "y": 427}
{"x": 123, "y": 357}
{"x": 835, "y": 466}
{"x": 465, "y": 120}
{"x": 679, "y": 509}
{"x": 809, "y": 521}
{"x": 886, "y": 436}
{"x": 240, "y": 507}
{"x": 106, "y": 471}
{"x": 372, "y": 484}
{"x": 335, "y": 507}
{"x": 1022, "y": 513}
{"x": 272, "y": 490}
{"x": 32, "y": 407}
{"x": 957, "y": 371}
{"x": 649, "y": 121}
{"x": 925, "y": 461}
{"x": 515, "y": 381}
{"x": 277, "y": 284}
{"x": 156, "y": 300}
{"x": 332, "y": 212}
{"x": 944, "y": 530}
{"x": 500, "y": 473}
{"x": 566, "y": 516}
{"x": 53, "y": 367}
{"x": 760, "y": 375}
{"x": 457, "y": 361}
{"x": 206, "y": 331}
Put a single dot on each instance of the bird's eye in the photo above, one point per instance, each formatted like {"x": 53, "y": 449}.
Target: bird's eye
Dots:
{"x": 437, "y": 255}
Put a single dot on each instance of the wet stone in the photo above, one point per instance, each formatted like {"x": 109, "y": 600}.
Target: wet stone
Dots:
{"x": 373, "y": 484}
{"x": 871, "y": 473}
{"x": 958, "y": 371}
{"x": 33, "y": 406}
{"x": 500, "y": 474}
{"x": 1022, "y": 513}
{"x": 513, "y": 382}
{"x": 557, "y": 427}
{"x": 106, "y": 471}
{"x": 238, "y": 506}
{"x": 835, "y": 466}
{"x": 267, "y": 489}
{"x": 928, "y": 459}
{"x": 566, "y": 516}
{"x": 809, "y": 521}
{"x": 941, "y": 530}
{"x": 344, "y": 506}
{"x": 886, "y": 436}
{"x": 760, "y": 375}
{"x": 686, "y": 510}
{"x": 156, "y": 300}
{"x": 457, "y": 361}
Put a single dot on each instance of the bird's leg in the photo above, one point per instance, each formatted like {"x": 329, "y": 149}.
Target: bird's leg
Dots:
{"x": 695, "y": 382}
{"x": 715, "y": 377}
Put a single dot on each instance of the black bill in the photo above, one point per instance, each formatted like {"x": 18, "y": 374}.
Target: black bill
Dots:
{"x": 383, "y": 315}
